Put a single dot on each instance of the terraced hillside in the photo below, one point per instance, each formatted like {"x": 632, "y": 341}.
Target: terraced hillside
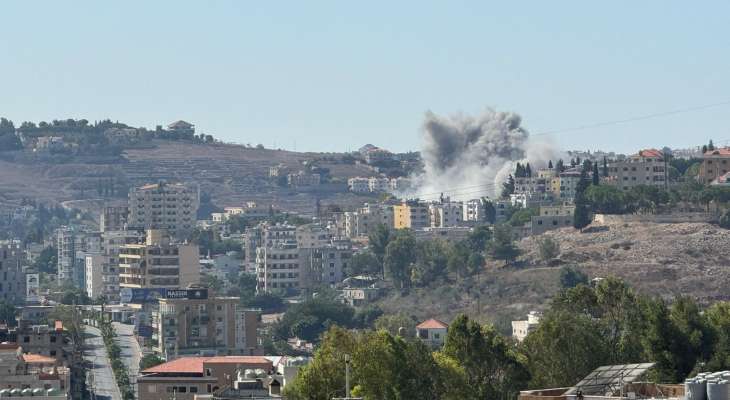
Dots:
{"x": 231, "y": 174}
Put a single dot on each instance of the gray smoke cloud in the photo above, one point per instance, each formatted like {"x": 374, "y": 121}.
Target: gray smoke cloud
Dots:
{"x": 468, "y": 157}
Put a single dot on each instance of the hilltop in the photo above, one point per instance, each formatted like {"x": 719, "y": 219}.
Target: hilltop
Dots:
{"x": 663, "y": 260}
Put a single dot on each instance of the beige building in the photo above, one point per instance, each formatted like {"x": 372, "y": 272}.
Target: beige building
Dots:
{"x": 12, "y": 278}
{"x": 362, "y": 222}
{"x": 185, "y": 378}
{"x": 647, "y": 167}
{"x": 552, "y": 217}
{"x": 563, "y": 186}
{"x": 715, "y": 163}
{"x": 157, "y": 263}
{"x": 520, "y": 329}
{"x": 432, "y": 332}
{"x": 172, "y": 207}
{"x": 446, "y": 214}
{"x": 24, "y": 374}
{"x": 219, "y": 324}
{"x": 113, "y": 218}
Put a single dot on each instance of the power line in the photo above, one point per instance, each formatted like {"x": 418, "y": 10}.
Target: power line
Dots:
{"x": 633, "y": 119}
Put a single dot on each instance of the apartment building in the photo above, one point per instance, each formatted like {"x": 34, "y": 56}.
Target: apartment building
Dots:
{"x": 715, "y": 163}
{"x": 647, "y": 167}
{"x": 198, "y": 323}
{"x": 73, "y": 243}
{"x": 378, "y": 184}
{"x": 445, "y": 214}
{"x": 563, "y": 186}
{"x": 43, "y": 339}
{"x": 474, "y": 211}
{"x": 323, "y": 265}
{"x": 552, "y": 217}
{"x": 278, "y": 266}
{"x": 185, "y": 378}
{"x": 158, "y": 263}
{"x": 358, "y": 185}
{"x": 24, "y": 374}
{"x": 411, "y": 214}
{"x": 169, "y": 206}
{"x": 363, "y": 221}
{"x": 303, "y": 179}
{"x": 12, "y": 277}
{"x": 113, "y": 218}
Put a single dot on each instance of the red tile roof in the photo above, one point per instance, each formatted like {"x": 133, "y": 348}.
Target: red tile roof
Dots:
{"x": 724, "y": 151}
{"x": 651, "y": 153}
{"x": 432, "y": 324}
{"x": 38, "y": 359}
{"x": 192, "y": 365}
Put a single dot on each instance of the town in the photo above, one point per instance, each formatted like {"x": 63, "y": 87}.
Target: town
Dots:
{"x": 471, "y": 200}
{"x": 147, "y": 295}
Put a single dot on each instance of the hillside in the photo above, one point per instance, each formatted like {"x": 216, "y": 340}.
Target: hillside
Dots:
{"x": 659, "y": 259}
{"x": 230, "y": 174}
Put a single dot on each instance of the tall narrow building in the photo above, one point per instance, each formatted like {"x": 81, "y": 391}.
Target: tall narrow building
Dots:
{"x": 169, "y": 206}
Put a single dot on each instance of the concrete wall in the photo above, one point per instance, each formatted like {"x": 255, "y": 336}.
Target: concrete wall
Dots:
{"x": 655, "y": 218}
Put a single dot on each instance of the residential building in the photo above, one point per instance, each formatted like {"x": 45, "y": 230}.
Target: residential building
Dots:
{"x": 43, "y": 339}
{"x": 377, "y": 155}
{"x": 445, "y": 214}
{"x": 278, "y": 266}
{"x": 95, "y": 269}
{"x": 411, "y": 214}
{"x": 191, "y": 325}
{"x": 360, "y": 296}
{"x": 474, "y": 211}
{"x": 432, "y": 332}
{"x": 186, "y": 377}
{"x": 312, "y": 236}
{"x": 363, "y": 221}
{"x": 531, "y": 184}
{"x": 323, "y": 265}
{"x": 158, "y": 263}
{"x": 24, "y": 374}
{"x": 71, "y": 242}
{"x": 113, "y": 218}
{"x": 378, "y": 184}
{"x": 102, "y": 277}
{"x": 521, "y": 328}
{"x": 723, "y": 180}
{"x": 182, "y": 127}
{"x": 563, "y": 186}
{"x": 647, "y": 167}
{"x": 169, "y": 206}
{"x": 502, "y": 208}
{"x": 715, "y": 163}
{"x": 303, "y": 179}
{"x": 552, "y": 217}
{"x": 358, "y": 185}
{"x": 449, "y": 233}
{"x": 12, "y": 277}
{"x": 400, "y": 184}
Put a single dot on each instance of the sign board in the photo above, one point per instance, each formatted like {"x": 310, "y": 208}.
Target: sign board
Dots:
{"x": 190, "y": 294}
{"x": 32, "y": 287}
{"x": 138, "y": 296}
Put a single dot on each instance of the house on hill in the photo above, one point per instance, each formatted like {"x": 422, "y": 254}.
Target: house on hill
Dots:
{"x": 432, "y": 332}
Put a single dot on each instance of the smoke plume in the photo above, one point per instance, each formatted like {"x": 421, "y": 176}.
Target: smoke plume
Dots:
{"x": 469, "y": 157}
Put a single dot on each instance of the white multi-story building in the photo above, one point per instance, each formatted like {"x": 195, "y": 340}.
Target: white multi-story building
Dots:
{"x": 474, "y": 211}
{"x": 358, "y": 185}
{"x": 445, "y": 214}
{"x": 361, "y": 222}
{"x": 172, "y": 207}
{"x": 102, "y": 269}
{"x": 378, "y": 184}
{"x": 73, "y": 243}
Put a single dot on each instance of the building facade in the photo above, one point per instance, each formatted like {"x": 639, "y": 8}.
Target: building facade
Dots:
{"x": 715, "y": 163}
{"x": 12, "y": 277}
{"x": 157, "y": 263}
{"x": 647, "y": 167}
{"x": 411, "y": 214}
{"x": 172, "y": 207}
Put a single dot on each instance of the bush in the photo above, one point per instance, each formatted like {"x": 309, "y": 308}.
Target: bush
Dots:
{"x": 548, "y": 249}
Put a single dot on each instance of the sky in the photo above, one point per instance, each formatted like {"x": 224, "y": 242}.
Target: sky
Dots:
{"x": 332, "y": 76}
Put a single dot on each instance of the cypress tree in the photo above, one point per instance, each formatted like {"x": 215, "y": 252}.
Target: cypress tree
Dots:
{"x": 605, "y": 167}
{"x": 596, "y": 178}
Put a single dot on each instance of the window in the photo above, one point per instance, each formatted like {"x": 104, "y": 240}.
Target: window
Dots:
{"x": 193, "y": 389}
{"x": 170, "y": 389}
{"x": 209, "y": 388}
{"x": 182, "y": 389}
{"x": 208, "y": 372}
{"x": 53, "y": 339}
{"x": 53, "y": 353}
{"x": 26, "y": 339}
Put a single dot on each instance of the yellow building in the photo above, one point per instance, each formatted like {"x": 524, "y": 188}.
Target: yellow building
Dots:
{"x": 411, "y": 214}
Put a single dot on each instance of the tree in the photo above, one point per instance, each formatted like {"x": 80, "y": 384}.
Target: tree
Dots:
{"x": 582, "y": 214}
{"x": 528, "y": 171}
{"x": 605, "y": 167}
{"x": 710, "y": 146}
{"x": 548, "y": 248}
{"x": 560, "y": 166}
{"x": 607, "y": 199}
{"x": 550, "y": 164}
{"x": 508, "y": 187}
{"x": 308, "y": 319}
{"x": 399, "y": 255}
{"x": 571, "y": 277}
{"x": 396, "y": 324}
{"x": 489, "y": 211}
{"x": 502, "y": 247}
{"x": 725, "y": 220}
{"x": 563, "y": 349}
{"x": 718, "y": 319}
{"x": 596, "y": 178}
{"x": 378, "y": 240}
{"x": 149, "y": 361}
{"x": 492, "y": 369}
{"x": 477, "y": 239}
{"x": 324, "y": 377}
{"x": 364, "y": 263}
{"x": 523, "y": 216}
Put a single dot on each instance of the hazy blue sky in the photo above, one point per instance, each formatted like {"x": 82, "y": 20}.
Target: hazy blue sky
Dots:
{"x": 335, "y": 75}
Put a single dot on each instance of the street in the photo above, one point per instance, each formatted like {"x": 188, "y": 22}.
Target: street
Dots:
{"x": 99, "y": 375}
{"x": 131, "y": 352}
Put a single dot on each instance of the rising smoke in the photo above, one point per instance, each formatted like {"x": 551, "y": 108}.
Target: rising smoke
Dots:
{"x": 469, "y": 157}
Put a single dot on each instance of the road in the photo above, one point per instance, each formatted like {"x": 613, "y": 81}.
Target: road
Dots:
{"x": 99, "y": 376}
{"x": 131, "y": 352}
